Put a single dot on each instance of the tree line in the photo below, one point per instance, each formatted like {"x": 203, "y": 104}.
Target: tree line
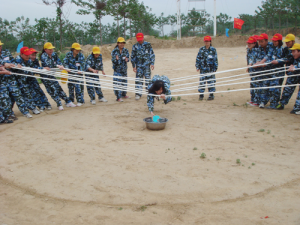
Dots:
{"x": 131, "y": 17}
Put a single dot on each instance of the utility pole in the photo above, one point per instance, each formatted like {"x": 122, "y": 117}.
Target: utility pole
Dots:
{"x": 178, "y": 21}
{"x": 215, "y": 19}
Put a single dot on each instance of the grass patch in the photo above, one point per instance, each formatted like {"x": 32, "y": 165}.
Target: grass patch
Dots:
{"x": 142, "y": 208}
{"x": 261, "y": 130}
{"x": 234, "y": 104}
{"x": 178, "y": 98}
{"x": 218, "y": 159}
{"x": 238, "y": 161}
{"x": 203, "y": 156}
{"x": 195, "y": 148}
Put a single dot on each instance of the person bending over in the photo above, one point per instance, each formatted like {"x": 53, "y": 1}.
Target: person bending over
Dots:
{"x": 159, "y": 85}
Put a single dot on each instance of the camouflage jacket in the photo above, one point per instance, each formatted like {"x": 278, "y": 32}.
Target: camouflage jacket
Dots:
{"x": 119, "y": 65}
{"x": 276, "y": 54}
{"x": 50, "y": 62}
{"x": 94, "y": 63}
{"x": 207, "y": 60}
{"x": 6, "y": 57}
{"x": 36, "y": 64}
{"x": 21, "y": 61}
{"x": 75, "y": 63}
{"x": 263, "y": 53}
{"x": 287, "y": 56}
{"x": 296, "y": 63}
{"x": 150, "y": 98}
{"x": 251, "y": 57}
{"x": 142, "y": 55}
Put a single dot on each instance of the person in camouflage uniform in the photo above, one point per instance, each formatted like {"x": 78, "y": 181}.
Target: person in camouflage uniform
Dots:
{"x": 288, "y": 59}
{"x": 9, "y": 81}
{"x": 295, "y": 68}
{"x": 159, "y": 85}
{"x": 94, "y": 64}
{"x": 50, "y": 59}
{"x": 120, "y": 58}
{"x": 265, "y": 48}
{"x": 74, "y": 59}
{"x": 33, "y": 83}
{"x": 251, "y": 60}
{"x": 275, "y": 56}
{"x": 207, "y": 62}
{"x": 142, "y": 59}
{"x": 5, "y": 102}
{"x": 23, "y": 81}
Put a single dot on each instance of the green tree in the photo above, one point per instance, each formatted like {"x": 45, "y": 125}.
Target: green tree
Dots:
{"x": 98, "y": 8}
{"x": 161, "y": 22}
{"x": 59, "y": 5}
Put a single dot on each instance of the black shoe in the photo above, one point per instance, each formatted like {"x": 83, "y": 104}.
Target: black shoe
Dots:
{"x": 6, "y": 121}
{"x": 293, "y": 112}
{"x": 13, "y": 117}
{"x": 201, "y": 97}
{"x": 210, "y": 98}
{"x": 279, "y": 107}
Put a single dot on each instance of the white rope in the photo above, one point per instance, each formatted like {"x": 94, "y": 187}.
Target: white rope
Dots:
{"x": 57, "y": 74}
{"x": 54, "y": 79}
{"x": 128, "y": 78}
{"x": 222, "y": 78}
{"x": 217, "y": 84}
{"x": 80, "y": 78}
{"x": 174, "y": 95}
{"x": 213, "y": 73}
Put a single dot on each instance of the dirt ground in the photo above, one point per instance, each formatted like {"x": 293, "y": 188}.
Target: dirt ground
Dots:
{"x": 100, "y": 165}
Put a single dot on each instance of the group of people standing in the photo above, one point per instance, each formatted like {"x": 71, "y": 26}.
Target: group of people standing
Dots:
{"x": 25, "y": 91}
{"x": 267, "y": 62}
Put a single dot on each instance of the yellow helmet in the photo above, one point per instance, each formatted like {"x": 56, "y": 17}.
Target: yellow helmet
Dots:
{"x": 96, "y": 50}
{"x": 1, "y": 43}
{"x": 296, "y": 46}
{"x": 289, "y": 37}
{"x": 76, "y": 46}
{"x": 121, "y": 40}
{"x": 48, "y": 45}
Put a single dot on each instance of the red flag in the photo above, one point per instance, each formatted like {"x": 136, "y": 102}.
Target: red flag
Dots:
{"x": 238, "y": 23}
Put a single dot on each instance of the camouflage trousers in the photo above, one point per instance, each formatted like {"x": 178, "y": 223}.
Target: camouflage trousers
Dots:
{"x": 95, "y": 88}
{"x": 26, "y": 92}
{"x": 207, "y": 80}
{"x": 54, "y": 90}
{"x": 120, "y": 82}
{"x": 254, "y": 84}
{"x": 14, "y": 93}
{"x": 37, "y": 93}
{"x": 297, "y": 103}
{"x": 5, "y": 103}
{"x": 288, "y": 91}
{"x": 78, "y": 88}
{"x": 275, "y": 93}
{"x": 140, "y": 74}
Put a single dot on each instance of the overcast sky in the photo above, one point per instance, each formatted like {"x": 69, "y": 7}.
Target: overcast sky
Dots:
{"x": 11, "y": 9}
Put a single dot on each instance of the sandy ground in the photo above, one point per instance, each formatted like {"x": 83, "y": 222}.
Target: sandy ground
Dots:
{"x": 100, "y": 165}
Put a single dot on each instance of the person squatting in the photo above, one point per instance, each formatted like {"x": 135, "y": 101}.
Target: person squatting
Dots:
{"x": 267, "y": 61}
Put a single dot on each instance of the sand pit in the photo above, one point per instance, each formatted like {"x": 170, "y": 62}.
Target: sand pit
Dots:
{"x": 100, "y": 165}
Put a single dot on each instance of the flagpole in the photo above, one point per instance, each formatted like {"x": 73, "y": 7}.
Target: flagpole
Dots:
{"x": 215, "y": 19}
